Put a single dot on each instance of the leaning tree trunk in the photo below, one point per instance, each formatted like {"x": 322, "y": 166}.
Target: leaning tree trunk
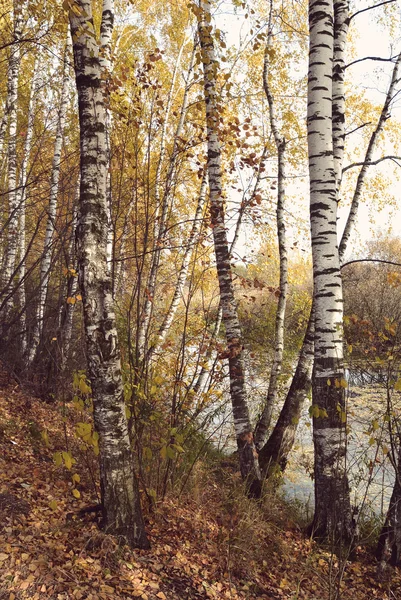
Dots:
{"x": 276, "y": 450}
{"x": 120, "y": 495}
{"x": 384, "y": 115}
{"x": 279, "y": 140}
{"x": 389, "y": 546}
{"x": 247, "y": 452}
{"x": 333, "y": 517}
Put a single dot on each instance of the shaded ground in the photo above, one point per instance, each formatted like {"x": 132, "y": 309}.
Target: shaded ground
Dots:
{"x": 213, "y": 543}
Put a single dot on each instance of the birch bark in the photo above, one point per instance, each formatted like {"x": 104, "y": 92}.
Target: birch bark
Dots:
{"x": 21, "y": 201}
{"x": 45, "y": 264}
{"x": 279, "y": 140}
{"x": 332, "y": 500}
{"x": 120, "y": 495}
{"x": 246, "y": 446}
{"x": 106, "y": 32}
{"x": 12, "y": 98}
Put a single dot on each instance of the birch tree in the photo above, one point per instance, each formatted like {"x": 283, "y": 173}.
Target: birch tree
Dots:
{"x": 120, "y": 495}
{"x": 11, "y": 108}
{"x": 332, "y": 500}
{"x": 243, "y": 430}
{"x": 280, "y": 143}
{"x": 45, "y": 265}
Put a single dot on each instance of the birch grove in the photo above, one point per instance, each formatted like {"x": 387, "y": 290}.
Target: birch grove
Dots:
{"x": 173, "y": 233}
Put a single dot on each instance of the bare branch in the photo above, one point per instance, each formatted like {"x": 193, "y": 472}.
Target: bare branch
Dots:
{"x": 371, "y": 8}
{"x": 377, "y": 260}
{"x": 359, "y": 127}
{"x": 377, "y": 58}
{"x": 372, "y": 163}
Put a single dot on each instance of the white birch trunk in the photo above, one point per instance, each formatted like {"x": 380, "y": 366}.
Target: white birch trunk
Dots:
{"x": 120, "y": 495}
{"x": 332, "y": 501}
{"x": 341, "y": 24}
{"x": 21, "y": 200}
{"x": 183, "y": 273}
{"x": 106, "y": 32}
{"x": 247, "y": 452}
{"x": 279, "y": 140}
{"x": 45, "y": 264}
{"x": 12, "y": 98}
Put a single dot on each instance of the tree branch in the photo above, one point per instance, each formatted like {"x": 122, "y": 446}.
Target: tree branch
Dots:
{"x": 371, "y": 8}
{"x": 378, "y": 260}
{"x": 378, "y": 58}
{"x": 372, "y": 163}
{"x": 359, "y": 127}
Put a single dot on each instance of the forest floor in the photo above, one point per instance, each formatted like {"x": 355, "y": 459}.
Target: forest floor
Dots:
{"x": 210, "y": 543}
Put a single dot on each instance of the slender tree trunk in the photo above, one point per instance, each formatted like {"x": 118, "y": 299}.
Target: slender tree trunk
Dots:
{"x": 182, "y": 276}
{"x": 389, "y": 546}
{"x": 333, "y": 517}
{"x": 341, "y": 24}
{"x": 120, "y": 495}
{"x": 106, "y": 32}
{"x": 246, "y": 446}
{"x": 68, "y": 309}
{"x": 384, "y": 115}
{"x": 279, "y": 139}
{"x": 279, "y": 445}
{"x": 52, "y": 210}
{"x": 21, "y": 200}
{"x": 12, "y": 105}
{"x": 162, "y": 205}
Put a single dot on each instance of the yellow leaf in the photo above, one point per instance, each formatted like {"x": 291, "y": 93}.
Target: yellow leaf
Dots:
{"x": 78, "y": 297}
{"x": 45, "y": 438}
{"x": 328, "y": 382}
{"x": 76, "y": 493}
{"x": 71, "y": 300}
{"x": 67, "y": 460}
{"x": 53, "y": 505}
{"x": 76, "y": 478}
{"x": 58, "y": 459}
